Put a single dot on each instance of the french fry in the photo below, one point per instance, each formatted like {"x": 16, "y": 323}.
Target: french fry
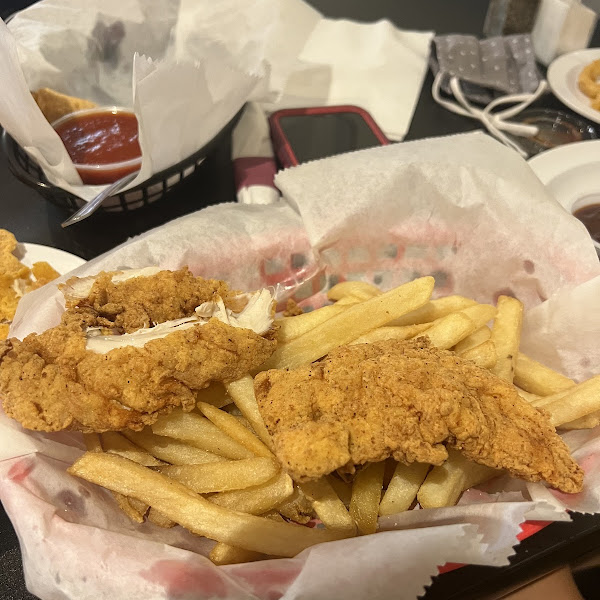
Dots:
{"x": 225, "y": 554}
{"x": 479, "y": 336}
{"x": 402, "y": 488}
{"x": 242, "y": 392}
{"x": 577, "y": 402}
{"x": 214, "y": 394}
{"x": 480, "y": 314}
{"x": 343, "y": 489}
{"x": 447, "y": 331}
{"x": 588, "y": 422}
{"x": 326, "y": 503}
{"x": 223, "y": 476}
{"x": 352, "y": 323}
{"x": 347, "y": 301}
{"x": 290, "y": 328}
{"x": 170, "y": 450}
{"x": 358, "y": 289}
{"x": 259, "y": 498}
{"x": 92, "y": 442}
{"x": 133, "y": 508}
{"x": 433, "y": 310}
{"x": 444, "y": 484}
{"x": 506, "y": 335}
{"x": 536, "y": 378}
{"x": 542, "y": 401}
{"x": 366, "y": 496}
{"x": 200, "y": 432}
{"x": 156, "y": 517}
{"x": 116, "y": 443}
{"x": 229, "y": 425}
{"x": 483, "y": 356}
{"x": 531, "y": 398}
{"x": 195, "y": 513}
{"x": 392, "y": 333}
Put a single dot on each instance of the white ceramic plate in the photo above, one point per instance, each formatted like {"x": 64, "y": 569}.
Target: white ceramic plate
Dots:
{"x": 562, "y": 76}
{"x": 60, "y": 260}
{"x": 571, "y": 173}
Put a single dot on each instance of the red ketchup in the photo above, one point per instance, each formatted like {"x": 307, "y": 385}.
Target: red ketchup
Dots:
{"x": 103, "y": 144}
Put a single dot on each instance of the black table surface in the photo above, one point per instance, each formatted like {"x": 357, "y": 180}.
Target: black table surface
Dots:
{"x": 32, "y": 219}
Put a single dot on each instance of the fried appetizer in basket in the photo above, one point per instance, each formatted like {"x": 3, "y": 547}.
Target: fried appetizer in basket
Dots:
{"x": 363, "y": 403}
{"x": 55, "y": 105}
{"x": 131, "y": 346}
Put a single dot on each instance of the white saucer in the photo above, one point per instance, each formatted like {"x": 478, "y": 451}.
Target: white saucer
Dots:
{"x": 571, "y": 173}
{"x": 60, "y": 260}
{"x": 562, "y": 76}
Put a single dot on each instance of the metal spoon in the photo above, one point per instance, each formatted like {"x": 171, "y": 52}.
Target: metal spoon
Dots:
{"x": 92, "y": 206}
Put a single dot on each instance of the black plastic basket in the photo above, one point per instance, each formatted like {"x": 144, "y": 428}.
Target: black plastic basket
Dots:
{"x": 24, "y": 168}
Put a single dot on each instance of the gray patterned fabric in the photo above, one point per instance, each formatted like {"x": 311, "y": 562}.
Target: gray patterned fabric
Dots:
{"x": 486, "y": 68}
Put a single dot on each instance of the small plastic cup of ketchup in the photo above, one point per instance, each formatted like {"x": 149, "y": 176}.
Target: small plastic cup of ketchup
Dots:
{"x": 102, "y": 143}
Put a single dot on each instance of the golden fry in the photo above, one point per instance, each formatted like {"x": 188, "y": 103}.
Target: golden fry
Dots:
{"x": 242, "y": 392}
{"x": 225, "y": 554}
{"x": 390, "y": 333}
{"x": 195, "y": 513}
{"x": 588, "y": 422}
{"x": 134, "y": 509}
{"x": 116, "y": 443}
{"x": 506, "y": 335}
{"x": 444, "y": 484}
{"x": 402, "y": 488}
{"x": 92, "y": 442}
{"x": 328, "y": 506}
{"x": 366, "y": 496}
{"x": 538, "y": 379}
{"x": 577, "y": 402}
{"x": 200, "y": 432}
{"x": 229, "y": 425}
{"x": 259, "y": 498}
{"x": 170, "y": 450}
{"x": 433, "y": 310}
{"x": 156, "y": 517}
{"x": 447, "y": 331}
{"x": 360, "y": 290}
{"x": 290, "y": 328}
{"x": 479, "y": 336}
{"x": 223, "y": 476}
{"x": 483, "y": 356}
{"x": 352, "y": 323}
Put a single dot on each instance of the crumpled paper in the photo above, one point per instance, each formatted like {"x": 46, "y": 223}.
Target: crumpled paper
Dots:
{"x": 124, "y": 53}
{"x": 463, "y": 208}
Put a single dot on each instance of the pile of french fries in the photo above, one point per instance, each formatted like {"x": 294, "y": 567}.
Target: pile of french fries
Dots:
{"x": 213, "y": 470}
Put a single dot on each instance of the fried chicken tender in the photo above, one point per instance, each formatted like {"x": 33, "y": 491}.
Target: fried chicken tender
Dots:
{"x": 405, "y": 399}
{"x": 144, "y": 301}
{"x": 54, "y": 381}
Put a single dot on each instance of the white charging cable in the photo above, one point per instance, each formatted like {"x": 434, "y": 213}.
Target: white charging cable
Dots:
{"x": 494, "y": 122}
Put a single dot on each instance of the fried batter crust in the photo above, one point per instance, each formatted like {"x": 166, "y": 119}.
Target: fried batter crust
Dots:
{"x": 51, "y": 382}
{"x": 404, "y": 399}
{"x": 144, "y": 301}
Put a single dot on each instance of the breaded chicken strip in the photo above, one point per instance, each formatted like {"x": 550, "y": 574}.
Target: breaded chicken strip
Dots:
{"x": 366, "y": 402}
{"x": 90, "y": 375}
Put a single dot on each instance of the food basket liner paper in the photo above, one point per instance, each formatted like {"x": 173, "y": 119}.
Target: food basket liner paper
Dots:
{"x": 463, "y": 208}
{"x": 184, "y": 83}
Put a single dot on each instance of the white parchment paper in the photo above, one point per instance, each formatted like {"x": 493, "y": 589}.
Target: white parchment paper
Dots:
{"x": 125, "y": 53}
{"x": 464, "y": 208}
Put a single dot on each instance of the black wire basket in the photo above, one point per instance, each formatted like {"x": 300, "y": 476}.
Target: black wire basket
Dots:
{"x": 24, "y": 168}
